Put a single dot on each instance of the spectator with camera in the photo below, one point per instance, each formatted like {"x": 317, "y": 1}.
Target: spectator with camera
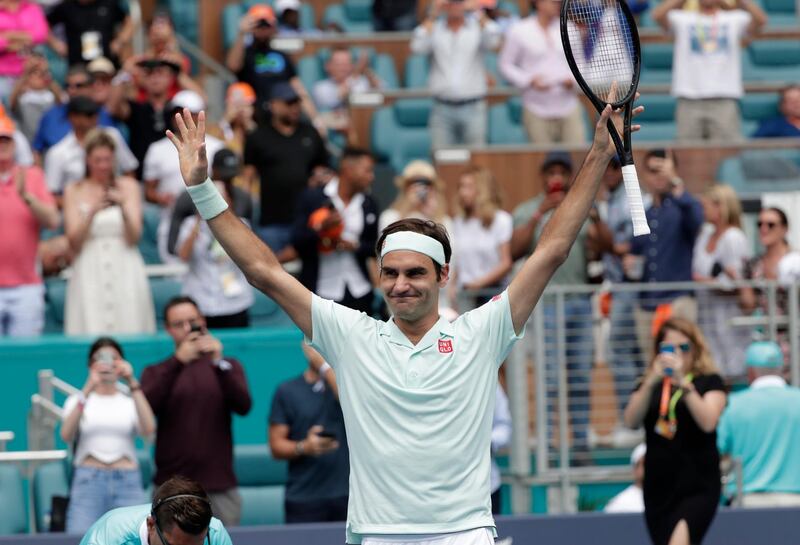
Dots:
{"x": 420, "y": 194}
{"x": 194, "y": 393}
{"x": 34, "y": 93}
{"x": 181, "y": 512}
{"x": 306, "y": 427}
{"x": 26, "y": 206}
{"x": 335, "y": 232}
{"x": 101, "y": 422}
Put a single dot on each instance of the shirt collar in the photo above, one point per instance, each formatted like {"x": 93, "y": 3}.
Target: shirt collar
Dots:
{"x": 768, "y": 381}
{"x": 441, "y": 328}
{"x": 331, "y": 190}
{"x": 143, "y": 532}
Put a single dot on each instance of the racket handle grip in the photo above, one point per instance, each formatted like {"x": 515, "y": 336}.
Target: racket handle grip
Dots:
{"x": 635, "y": 203}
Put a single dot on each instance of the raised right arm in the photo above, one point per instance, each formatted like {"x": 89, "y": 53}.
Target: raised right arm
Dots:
{"x": 253, "y": 257}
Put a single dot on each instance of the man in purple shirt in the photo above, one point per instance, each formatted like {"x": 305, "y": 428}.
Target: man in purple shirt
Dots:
{"x": 193, "y": 393}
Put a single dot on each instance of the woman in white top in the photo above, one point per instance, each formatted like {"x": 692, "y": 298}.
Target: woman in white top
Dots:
{"x": 720, "y": 254}
{"x": 481, "y": 235}
{"x": 101, "y": 422}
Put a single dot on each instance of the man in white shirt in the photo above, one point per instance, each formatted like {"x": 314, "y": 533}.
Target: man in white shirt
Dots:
{"x": 65, "y": 162}
{"x": 707, "y": 65}
{"x": 162, "y": 174}
{"x": 417, "y": 392}
{"x": 533, "y": 60}
{"x": 631, "y": 500}
{"x": 344, "y": 78}
{"x": 456, "y": 46}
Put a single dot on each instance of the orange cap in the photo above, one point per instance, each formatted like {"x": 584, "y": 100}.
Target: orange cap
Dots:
{"x": 7, "y": 126}
{"x": 241, "y": 91}
{"x": 261, "y": 12}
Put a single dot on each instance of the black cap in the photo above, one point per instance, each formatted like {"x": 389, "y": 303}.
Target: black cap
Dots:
{"x": 557, "y": 158}
{"x": 226, "y": 164}
{"x": 82, "y": 105}
{"x": 284, "y": 91}
{"x": 151, "y": 63}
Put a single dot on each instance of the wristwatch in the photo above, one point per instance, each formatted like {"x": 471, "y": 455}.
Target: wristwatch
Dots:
{"x": 223, "y": 365}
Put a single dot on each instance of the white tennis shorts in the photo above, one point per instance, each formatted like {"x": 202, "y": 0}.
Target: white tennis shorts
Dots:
{"x": 478, "y": 536}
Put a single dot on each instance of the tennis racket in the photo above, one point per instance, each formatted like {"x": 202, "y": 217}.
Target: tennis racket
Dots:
{"x": 601, "y": 44}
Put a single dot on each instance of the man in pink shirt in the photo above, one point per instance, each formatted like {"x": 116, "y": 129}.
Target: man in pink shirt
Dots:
{"x": 532, "y": 59}
{"x": 26, "y": 206}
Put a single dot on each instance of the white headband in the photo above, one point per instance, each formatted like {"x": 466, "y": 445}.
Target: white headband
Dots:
{"x": 415, "y": 242}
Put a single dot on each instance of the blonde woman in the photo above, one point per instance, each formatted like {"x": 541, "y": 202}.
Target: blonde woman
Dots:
{"x": 720, "y": 255}
{"x": 108, "y": 291}
{"x": 481, "y": 234}
{"x": 680, "y": 416}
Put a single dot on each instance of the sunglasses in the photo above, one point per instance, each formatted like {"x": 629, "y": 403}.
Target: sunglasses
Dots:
{"x": 667, "y": 347}
{"x": 79, "y": 85}
{"x": 768, "y": 224}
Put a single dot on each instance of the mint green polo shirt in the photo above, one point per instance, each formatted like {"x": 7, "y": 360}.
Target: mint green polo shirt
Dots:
{"x": 418, "y": 418}
{"x": 761, "y": 425}
{"x": 128, "y": 526}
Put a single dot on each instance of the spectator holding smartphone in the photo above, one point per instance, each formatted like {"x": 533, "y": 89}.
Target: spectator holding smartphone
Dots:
{"x": 101, "y": 422}
{"x": 193, "y": 394}
{"x": 306, "y": 427}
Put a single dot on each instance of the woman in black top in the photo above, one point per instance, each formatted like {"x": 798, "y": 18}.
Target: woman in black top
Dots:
{"x": 682, "y": 477}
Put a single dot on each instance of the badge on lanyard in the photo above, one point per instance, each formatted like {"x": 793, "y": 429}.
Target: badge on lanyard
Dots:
{"x": 667, "y": 422}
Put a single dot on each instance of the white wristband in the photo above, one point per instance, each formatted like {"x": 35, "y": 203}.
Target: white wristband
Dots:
{"x": 324, "y": 368}
{"x": 207, "y": 199}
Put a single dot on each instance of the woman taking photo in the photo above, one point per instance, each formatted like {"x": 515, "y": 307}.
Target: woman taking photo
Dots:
{"x": 101, "y": 422}
{"x": 108, "y": 291}
{"x": 679, "y": 401}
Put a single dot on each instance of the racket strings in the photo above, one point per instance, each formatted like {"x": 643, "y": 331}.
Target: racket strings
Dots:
{"x": 601, "y": 41}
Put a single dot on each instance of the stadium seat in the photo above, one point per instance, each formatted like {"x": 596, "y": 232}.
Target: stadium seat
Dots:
{"x": 148, "y": 243}
{"x": 656, "y": 63}
{"x": 262, "y": 480}
{"x": 757, "y": 107}
{"x": 658, "y": 118}
{"x": 12, "y": 497}
{"x": 266, "y": 313}
{"x": 505, "y": 123}
{"x": 186, "y": 18}
{"x": 759, "y": 171}
{"x": 55, "y": 295}
{"x": 58, "y": 64}
{"x": 781, "y": 12}
{"x": 49, "y": 480}
{"x": 163, "y": 289}
{"x": 772, "y": 60}
{"x": 232, "y": 13}
{"x": 311, "y": 68}
{"x": 353, "y": 16}
{"x": 399, "y": 133}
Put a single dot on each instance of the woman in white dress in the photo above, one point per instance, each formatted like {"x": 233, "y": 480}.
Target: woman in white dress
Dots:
{"x": 720, "y": 254}
{"x": 108, "y": 291}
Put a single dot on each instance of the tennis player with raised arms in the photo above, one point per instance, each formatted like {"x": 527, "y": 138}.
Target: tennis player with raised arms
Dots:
{"x": 417, "y": 391}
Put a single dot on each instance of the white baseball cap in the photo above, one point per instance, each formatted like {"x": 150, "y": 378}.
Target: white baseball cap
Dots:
{"x": 188, "y": 99}
{"x": 283, "y": 5}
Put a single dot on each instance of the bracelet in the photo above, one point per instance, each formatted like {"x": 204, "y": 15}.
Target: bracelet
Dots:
{"x": 81, "y": 399}
{"x": 207, "y": 199}
{"x": 324, "y": 368}
{"x": 299, "y": 448}
{"x": 135, "y": 387}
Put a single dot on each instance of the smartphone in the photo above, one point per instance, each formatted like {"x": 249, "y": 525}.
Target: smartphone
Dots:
{"x": 106, "y": 358}
{"x": 667, "y": 349}
{"x": 327, "y": 434}
{"x": 196, "y": 328}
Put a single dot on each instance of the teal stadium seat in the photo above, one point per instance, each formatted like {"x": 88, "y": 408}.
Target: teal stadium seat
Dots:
{"x": 262, "y": 481}
{"x": 658, "y": 119}
{"x": 400, "y": 133}
{"x": 163, "y": 289}
{"x": 418, "y": 65}
{"x": 55, "y": 296}
{"x": 232, "y": 13}
{"x": 757, "y": 107}
{"x": 782, "y": 13}
{"x": 353, "y": 16}
{"x": 656, "y": 63}
{"x": 58, "y": 64}
{"x": 311, "y": 68}
{"x": 148, "y": 243}
{"x": 266, "y": 313}
{"x": 772, "y": 60}
{"x": 186, "y": 17}
{"x": 505, "y": 123}
{"x": 49, "y": 480}
{"x": 759, "y": 171}
{"x": 13, "y": 519}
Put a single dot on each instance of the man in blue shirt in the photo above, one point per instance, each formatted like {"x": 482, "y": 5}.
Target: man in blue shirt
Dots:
{"x": 55, "y": 124}
{"x": 675, "y": 219}
{"x": 788, "y": 123}
{"x": 180, "y": 513}
{"x": 761, "y": 427}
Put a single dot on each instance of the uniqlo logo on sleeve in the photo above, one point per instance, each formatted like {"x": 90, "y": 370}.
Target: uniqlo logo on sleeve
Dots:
{"x": 445, "y": 346}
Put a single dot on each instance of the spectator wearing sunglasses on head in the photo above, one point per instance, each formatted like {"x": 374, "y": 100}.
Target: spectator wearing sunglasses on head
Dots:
{"x": 180, "y": 514}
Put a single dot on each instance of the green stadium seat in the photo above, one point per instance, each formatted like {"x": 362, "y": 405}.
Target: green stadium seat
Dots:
{"x": 49, "y": 480}
{"x": 266, "y": 313}
{"x": 163, "y": 289}
{"x": 13, "y": 519}
{"x": 353, "y": 16}
{"x": 505, "y": 123}
{"x": 55, "y": 295}
{"x": 311, "y": 68}
{"x": 757, "y": 107}
{"x": 656, "y": 63}
{"x": 759, "y": 171}
{"x": 232, "y": 13}
{"x": 782, "y": 13}
{"x": 400, "y": 133}
{"x": 262, "y": 481}
{"x": 658, "y": 119}
{"x": 148, "y": 243}
{"x": 772, "y": 60}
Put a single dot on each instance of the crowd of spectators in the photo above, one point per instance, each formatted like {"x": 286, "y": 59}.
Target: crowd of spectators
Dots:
{"x": 88, "y": 157}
